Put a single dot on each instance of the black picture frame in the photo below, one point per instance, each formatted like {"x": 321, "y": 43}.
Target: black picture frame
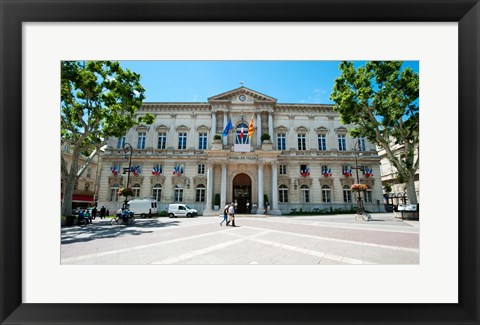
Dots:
{"x": 14, "y": 13}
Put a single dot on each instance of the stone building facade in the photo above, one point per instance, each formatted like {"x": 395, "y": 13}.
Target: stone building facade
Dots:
{"x": 86, "y": 187}
{"x": 307, "y": 164}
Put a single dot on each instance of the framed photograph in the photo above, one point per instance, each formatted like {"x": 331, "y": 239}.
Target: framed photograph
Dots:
{"x": 444, "y": 36}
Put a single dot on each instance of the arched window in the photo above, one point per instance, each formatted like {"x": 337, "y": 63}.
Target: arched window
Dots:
{"x": 242, "y": 133}
{"x": 200, "y": 193}
{"x": 114, "y": 192}
{"x": 283, "y": 194}
{"x": 87, "y": 186}
{"x": 157, "y": 192}
{"x": 326, "y": 194}
{"x": 305, "y": 193}
{"x": 178, "y": 194}
{"x": 347, "y": 194}
{"x": 136, "y": 190}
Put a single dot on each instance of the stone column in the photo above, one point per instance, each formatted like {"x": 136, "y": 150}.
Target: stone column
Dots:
{"x": 274, "y": 204}
{"x": 223, "y": 190}
{"x": 214, "y": 123}
{"x": 208, "y": 208}
{"x": 259, "y": 129}
{"x": 171, "y": 137}
{"x": 292, "y": 134}
{"x": 260, "y": 208}
{"x": 225, "y": 139}
{"x": 270, "y": 125}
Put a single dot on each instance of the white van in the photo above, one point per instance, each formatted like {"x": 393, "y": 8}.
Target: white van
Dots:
{"x": 181, "y": 210}
{"x": 143, "y": 207}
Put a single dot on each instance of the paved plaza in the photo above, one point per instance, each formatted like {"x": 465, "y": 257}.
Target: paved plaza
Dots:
{"x": 257, "y": 239}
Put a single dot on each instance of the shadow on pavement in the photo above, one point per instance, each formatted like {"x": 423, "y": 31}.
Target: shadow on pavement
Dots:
{"x": 102, "y": 229}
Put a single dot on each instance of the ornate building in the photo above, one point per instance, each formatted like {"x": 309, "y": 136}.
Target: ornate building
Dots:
{"x": 308, "y": 164}
{"x": 86, "y": 187}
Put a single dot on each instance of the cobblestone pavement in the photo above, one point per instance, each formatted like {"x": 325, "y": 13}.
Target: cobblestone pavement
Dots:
{"x": 257, "y": 239}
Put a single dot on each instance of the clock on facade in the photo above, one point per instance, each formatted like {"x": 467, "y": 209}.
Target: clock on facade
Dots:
{"x": 242, "y": 98}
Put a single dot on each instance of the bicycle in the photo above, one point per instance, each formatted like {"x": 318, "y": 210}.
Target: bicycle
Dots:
{"x": 118, "y": 220}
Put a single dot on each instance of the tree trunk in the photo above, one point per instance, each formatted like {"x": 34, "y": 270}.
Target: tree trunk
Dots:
{"x": 70, "y": 183}
{"x": 412, "y": 194}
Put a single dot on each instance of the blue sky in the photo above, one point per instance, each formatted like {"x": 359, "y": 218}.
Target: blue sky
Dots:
{"x": 194, "y": 81}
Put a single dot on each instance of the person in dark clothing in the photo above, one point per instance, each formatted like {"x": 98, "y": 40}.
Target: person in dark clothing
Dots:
{"x": 102, "y": 212}
{"x": 94, "y": 212}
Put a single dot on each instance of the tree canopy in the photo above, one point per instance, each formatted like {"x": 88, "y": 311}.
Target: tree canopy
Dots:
{"x": 99, "y": 100}
{"x": 380, "y": 100}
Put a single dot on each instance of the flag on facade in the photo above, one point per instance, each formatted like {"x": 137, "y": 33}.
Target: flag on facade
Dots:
{"x": 114, "y": 170}
{"x": 241, "y": 131}
{"x": 228, "y": 127}
{"x": 175, "y": 170}
{"x": 155, "y": 170}
{"x": 250, "y": 128}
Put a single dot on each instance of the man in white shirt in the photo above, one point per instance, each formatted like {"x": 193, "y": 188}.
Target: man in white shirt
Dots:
{"x": 231, "y": 212}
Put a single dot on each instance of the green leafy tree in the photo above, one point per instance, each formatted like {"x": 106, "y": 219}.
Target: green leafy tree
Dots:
{"x": 381, "y": 98}
{"x": 99, "y": 100}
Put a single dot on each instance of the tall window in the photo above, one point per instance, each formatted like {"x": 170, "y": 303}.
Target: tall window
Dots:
{"x": 178, "y": 194}
{"x": 242, "y": 134}
{"x": 368, "y": 196}
{"x": 182, "y": 140}
{"x": 322, "y": 142}
{"x": 201, "y": 169}
{"x": 347, "y": 194}
{"x": 305, "y": 193}
{"x": 114, "y": 192}
{"x": 136, "y": 190}
{"x": 325, "y": 169}
{"x": 200, "y": 193}
{"x": 141, "y": 140}
{"x": 326, "y": 194}
{"x": 281, "y": 141}
{"x": 302, "y": 142}
{"x": 157, "y": 192}
{"x": 361, "y": 144}
{"x": 121, "y": 142}
{"x": 202, "y": 141}
{"x": 283, "y": 194}
{"x": 89, "y": 172}
{"x": 342, "y": 142}
{"x": 283, "y": 169}
{"x": 87, "y": 186}
{"x": 162, "y": 140}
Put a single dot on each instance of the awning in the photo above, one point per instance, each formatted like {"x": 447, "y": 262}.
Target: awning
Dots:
{"x": 82, "y": 198}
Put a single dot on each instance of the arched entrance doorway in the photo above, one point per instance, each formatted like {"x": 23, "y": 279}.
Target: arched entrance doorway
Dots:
{"x": 242, "y": 193}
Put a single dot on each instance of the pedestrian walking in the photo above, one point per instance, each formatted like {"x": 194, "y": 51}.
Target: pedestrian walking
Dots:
{"x": 94, "y": 212}
{"x": 225, "y": 215}
{"x": 102, "y": 212}
{"x": 231, "y": 215}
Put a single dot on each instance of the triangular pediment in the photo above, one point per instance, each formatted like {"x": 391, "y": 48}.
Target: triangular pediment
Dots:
{"x": 242, "y": 94}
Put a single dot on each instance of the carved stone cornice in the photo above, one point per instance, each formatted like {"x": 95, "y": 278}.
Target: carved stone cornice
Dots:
{"x": 136, "y": 180}
{"x": 115, "y": 180}
{"x": 304, "y": 181}
{"x": 197, "y": 180}
{"x": 158, "y": 179}
{"x": 346, "y": 181}
{"x": 326, "y": 181}
{"x": 179, "y": 180}
{"x": 284, "y": 180}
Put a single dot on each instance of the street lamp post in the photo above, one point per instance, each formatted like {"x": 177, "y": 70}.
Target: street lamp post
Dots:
{"x": 128, "y": 170}
{"x": 359, "y": 197}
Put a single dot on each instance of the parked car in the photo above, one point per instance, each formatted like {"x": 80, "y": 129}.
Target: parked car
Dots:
{"x": 181, "y": 210}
